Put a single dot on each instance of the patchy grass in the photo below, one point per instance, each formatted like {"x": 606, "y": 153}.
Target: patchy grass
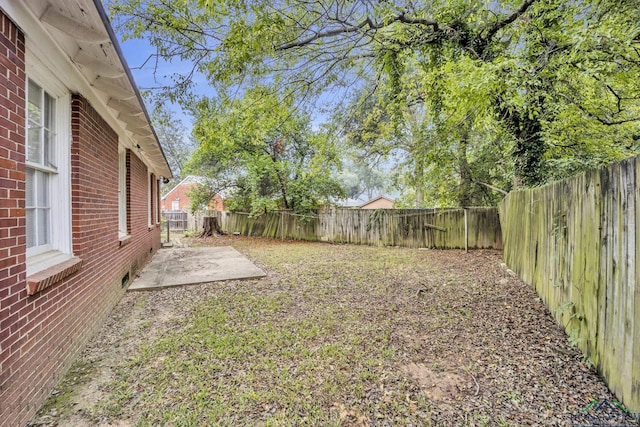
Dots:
{"x": 246, "y": 357}
{"x": 60, "y": 402}
{"x": 347, "y": 335}
{"x": 303, "y": 352}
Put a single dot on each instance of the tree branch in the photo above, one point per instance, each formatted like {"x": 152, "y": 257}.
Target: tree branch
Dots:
{"x": 497, "y": 26}
{"x": 366, "y": 23}
{"x": 499, "y": 190}
{"x": 329, "y": 33}
{"x": 418, "y": 21}
{"x": 603, "y": 121}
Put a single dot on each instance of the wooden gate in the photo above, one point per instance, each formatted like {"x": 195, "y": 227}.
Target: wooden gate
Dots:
{"x": 176, "y": 220}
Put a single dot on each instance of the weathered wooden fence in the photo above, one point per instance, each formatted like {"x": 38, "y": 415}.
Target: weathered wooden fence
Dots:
{"x": 577, "y": 242}
{"x": 413, "y": 228}
{"x": 177, "y": 220}
{"x": 281, "y": 225}
{"x": 195, "y": 219}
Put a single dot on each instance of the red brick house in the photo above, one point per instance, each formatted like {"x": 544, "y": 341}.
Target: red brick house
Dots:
{"x": 80, "y": 167}
{"x": 177, "y": 199}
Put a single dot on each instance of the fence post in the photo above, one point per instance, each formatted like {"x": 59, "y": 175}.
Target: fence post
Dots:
{"x": 466, "y": 231}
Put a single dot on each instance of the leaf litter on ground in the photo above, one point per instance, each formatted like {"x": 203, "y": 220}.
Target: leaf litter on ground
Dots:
{"x": 335, "y": 335}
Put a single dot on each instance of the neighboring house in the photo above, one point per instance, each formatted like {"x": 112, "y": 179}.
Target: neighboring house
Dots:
{"x": 350, "y": 203}
{"x": 380, "y": 202}
{"x": 177, "y": 199}
{"x": 80, "y": 167}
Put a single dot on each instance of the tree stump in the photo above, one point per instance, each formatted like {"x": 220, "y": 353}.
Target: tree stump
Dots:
{"x": 210, "y": 225}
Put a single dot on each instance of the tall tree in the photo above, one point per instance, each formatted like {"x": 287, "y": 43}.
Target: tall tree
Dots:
{"x": 377, "y": 137}
{"x": 561, "y": 73}
{"x": 568, "y": 96}
{"x": 444, "y": 151}
{"x": 311, "y": 43}
{"x": 362, "y": 179}
{"x": 264, "y": 152}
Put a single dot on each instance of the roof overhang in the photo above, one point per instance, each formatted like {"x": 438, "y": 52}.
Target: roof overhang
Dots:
{"x": 81, "y": 31}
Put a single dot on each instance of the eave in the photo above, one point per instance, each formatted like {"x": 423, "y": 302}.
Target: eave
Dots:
{"x": 87, "y": 57}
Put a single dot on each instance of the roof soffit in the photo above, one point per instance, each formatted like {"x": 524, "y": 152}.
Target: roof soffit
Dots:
{"x": 77, "y": 27}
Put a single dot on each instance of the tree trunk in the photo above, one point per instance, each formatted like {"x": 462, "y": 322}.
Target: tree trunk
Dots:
{"x": 530, "y": 147}
{"x": 464, "y": 191}
{"x": 419, "y": 180}
{"x": 210, "y": 225}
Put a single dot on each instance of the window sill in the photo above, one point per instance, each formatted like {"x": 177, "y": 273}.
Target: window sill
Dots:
{"x": 52, "y": 274}
{"x": 125, "y": 240}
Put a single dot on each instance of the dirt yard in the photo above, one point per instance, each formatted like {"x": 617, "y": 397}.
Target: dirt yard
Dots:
{"x": 334, "y": 335}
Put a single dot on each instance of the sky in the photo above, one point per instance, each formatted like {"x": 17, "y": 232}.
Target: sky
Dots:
{"x": 137, "y": 53}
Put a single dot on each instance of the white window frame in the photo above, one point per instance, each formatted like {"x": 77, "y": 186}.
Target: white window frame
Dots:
{"x": 175, "y": 204}
{"x": 60, "y": 247}
{"x": 156, "y": 191}
{"x": 122, "y": 191}
{"x": 149, "y": 198}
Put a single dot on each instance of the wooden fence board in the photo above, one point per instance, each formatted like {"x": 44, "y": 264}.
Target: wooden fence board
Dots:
{"x": 576, "y": 241}
{"x": 413, "y": 228}
{"x": 627, "y": 259}
{"x": 635, "y": 388}
{"x": 177, "y": 220}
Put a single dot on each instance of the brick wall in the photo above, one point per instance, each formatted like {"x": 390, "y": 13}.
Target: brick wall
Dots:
{"x": 12, "y": 222}
{"x": 41, "y": 335}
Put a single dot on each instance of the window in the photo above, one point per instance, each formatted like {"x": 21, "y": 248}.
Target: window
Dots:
{"x": 175, "y": 205}
{"x": 41, "y": 164}
{"x": 157, "y": 198}
{"x": 150, "y": 204}
{"x": 154, "y": 214}
{"x": 48, "y": 203}
{"x": 122, "y": 192}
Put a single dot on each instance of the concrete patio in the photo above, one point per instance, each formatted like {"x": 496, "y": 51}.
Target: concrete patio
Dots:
{"x": 191, "y": 266}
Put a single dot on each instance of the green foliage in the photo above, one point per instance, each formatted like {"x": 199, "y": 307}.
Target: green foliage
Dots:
{"x": 375, "y": 219}
{"x": 358, "y": 178}
{"x": 474, "y": 95}
{"x": 441, "y": 147}
{"x": 201, "y": 194}
{"x": 265, "y": 153}
{"x": 569, "y": 98}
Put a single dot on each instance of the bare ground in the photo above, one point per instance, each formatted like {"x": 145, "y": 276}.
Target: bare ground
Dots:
{"x": 335, "y": 335}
